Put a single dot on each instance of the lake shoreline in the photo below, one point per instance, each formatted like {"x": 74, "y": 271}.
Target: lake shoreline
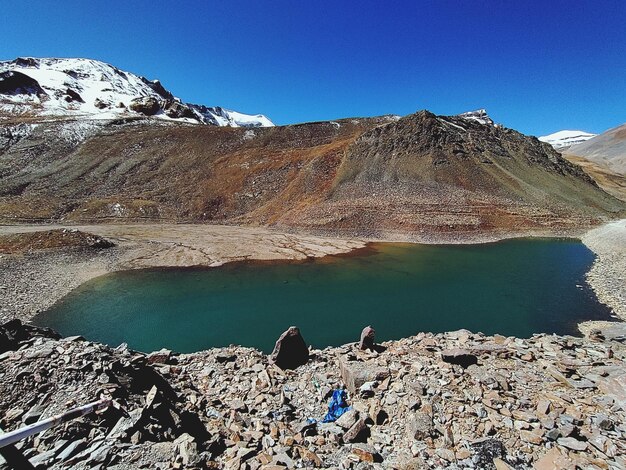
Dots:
{"x": 607, "y": 276}
{"x": 42, "y": 278}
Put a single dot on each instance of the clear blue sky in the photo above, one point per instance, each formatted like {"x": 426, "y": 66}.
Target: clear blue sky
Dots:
{"x": 536, "y": 66}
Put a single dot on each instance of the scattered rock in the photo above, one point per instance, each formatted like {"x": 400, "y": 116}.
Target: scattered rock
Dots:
{"x": 159, "y": 357}
{"x": 179, "y": 411}
{"x": 98, "y": 103}
{"x": 366, "y": 453}
{"x": 604, "y": 423}
{"x": 147, "y": 105}
{"x": 357, "y": 433}
{"x": 356, "y": 373}
{"x": 14, "y": 333}
{"x": 572, "y": 443}
{"x": 72, "y": 95}
{"x": 187, "y": 449}
{"x": 459, "y": 356}
{"x": 596, "y": 335}
{"x": 419, "y": 426}
{"x": 486, "y": 450}
{"x": 347, "y": 420}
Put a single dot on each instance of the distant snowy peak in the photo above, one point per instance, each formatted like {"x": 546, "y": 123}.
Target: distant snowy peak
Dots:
{"x": 564, "y": 139}
{"x": 90, "y": 88}
{"x": 480, "y": 115}
{"x": 226, "y": 117}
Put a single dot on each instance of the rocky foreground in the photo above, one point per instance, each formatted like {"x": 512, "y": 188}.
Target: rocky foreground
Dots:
{"x": 453, "y": 400}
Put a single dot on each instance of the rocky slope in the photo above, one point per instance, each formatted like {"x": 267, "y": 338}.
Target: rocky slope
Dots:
{"x": 604, "y": 159}
{"x": 85, "y": 88}
{"x": 610, "y": 181}
{"x": 454, "y": 400}
{"x": 607, "y": 276}
{"x": 416, "y": 177}
{"x": 607, "y": 150}
{"x": 427, "y": 174}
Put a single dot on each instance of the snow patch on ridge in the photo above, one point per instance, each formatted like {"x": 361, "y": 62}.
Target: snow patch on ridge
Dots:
{"x": 96, "y": 90}
{"x": 566, "y": 138}
{"x": 479, "y": 115}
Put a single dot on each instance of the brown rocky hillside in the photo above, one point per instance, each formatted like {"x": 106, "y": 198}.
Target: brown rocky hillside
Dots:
{"x": 604, "y": 159}
{"x": 417, "y": 175}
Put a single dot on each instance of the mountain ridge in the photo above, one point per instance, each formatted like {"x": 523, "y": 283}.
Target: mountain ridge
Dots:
{"x": 124, "y": 149}
{"x": 90, "y": 88}
{"x": 416, "y": 176}
{"x": 607, "y": 149}
{"x": 604, "y": 158}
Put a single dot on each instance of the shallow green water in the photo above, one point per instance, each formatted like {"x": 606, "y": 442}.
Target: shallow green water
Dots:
{"x": 516, "y": 287}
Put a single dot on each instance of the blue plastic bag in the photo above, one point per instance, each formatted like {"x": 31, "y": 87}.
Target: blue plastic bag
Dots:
{"x": 337, "y": 406}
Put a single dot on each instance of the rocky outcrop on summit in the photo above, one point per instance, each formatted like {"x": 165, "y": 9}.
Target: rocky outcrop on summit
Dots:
{"x": 543, "y": 402}
{"x": 480, "y": 116}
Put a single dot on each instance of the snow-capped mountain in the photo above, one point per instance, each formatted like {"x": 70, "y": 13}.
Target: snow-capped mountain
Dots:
{"x": 480, "y": 115}
{"x": 94, "y": 89}
{"x": 563, "y": 139}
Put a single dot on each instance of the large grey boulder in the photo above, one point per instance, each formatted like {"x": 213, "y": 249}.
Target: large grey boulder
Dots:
{"x": 368, "y": 336}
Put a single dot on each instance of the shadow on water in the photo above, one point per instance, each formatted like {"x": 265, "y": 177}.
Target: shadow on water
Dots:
{"x": 514, "y": 287}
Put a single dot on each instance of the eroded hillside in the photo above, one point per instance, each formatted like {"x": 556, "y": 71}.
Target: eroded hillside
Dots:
{"x": 377, "y": 176}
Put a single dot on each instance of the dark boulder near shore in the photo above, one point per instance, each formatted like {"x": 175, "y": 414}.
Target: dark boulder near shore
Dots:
{"x": 290, "y": 350}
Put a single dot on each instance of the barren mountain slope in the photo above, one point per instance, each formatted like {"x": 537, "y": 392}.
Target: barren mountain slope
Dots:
{"x": 149, "y": 169}
{"x": 607, "y": 150}
{"x": 418, "y": 175}
{"x": 604, "y": 159}
{"x": 427, "y": 173}
{"x": 613, "y": 183}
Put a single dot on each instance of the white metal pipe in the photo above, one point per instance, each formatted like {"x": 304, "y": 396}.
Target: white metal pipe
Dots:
{"x": 15, "y": 436}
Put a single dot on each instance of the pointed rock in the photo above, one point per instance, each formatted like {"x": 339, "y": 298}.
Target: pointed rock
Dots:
{"x": 367, "y": 338}
{"x": 290, "y": 350}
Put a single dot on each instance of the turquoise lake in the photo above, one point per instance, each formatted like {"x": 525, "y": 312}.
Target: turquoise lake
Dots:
{"x": 515, "y": 287}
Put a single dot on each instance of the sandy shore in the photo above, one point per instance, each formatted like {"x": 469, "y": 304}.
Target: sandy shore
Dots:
{"x": 33, "y": 281}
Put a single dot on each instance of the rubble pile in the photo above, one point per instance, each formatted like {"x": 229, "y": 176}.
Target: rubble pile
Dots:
{"x": 451, "y": 400}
